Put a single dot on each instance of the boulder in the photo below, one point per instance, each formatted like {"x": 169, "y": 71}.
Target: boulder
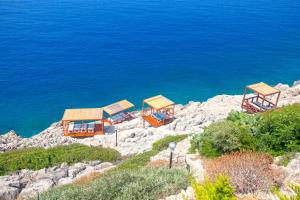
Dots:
{"x": 33, "y": 189}
{"x": 8, "y": 193}
{"x": 195, "y": 166}
{"x": 65, "y": 181}
{"x": 76, "y": 169}
{"x": 296, "y": 83}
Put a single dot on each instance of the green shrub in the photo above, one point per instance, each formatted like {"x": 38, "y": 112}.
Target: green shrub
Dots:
{"x": 38, "y": 158}
{"x": 276, "y": 132}
{"x": 136, "y": 161}
{"x": 296, "y": 190}
{"x": 144, "y": 183}
{"x": 279, "y": 130}
{"x": 220, "y": 190}
{"x": 164, "y": 143}
{"x": 247, "y": 121}
{"x": 221, "y": 137}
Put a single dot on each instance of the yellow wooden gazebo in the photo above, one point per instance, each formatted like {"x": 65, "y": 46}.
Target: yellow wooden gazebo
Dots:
{"x": 118, "y": 112}
{"x": 83, "y": 122}
{"x": 263, "y": 97}
{"x": 158, "y": 110}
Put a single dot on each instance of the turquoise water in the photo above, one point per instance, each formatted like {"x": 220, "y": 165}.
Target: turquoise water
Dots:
{"x": 89, "y": 53}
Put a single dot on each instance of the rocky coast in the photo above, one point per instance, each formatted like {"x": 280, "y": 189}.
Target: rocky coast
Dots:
{"x": 132, "y": 138}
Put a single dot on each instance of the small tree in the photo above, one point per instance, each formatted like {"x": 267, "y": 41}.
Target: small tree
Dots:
{"x": 220, "y": 190}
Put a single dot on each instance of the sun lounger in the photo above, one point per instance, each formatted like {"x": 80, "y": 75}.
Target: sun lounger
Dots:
{"x": 77, "y": 128}
{"x": 71, "y": 128}
{"x": 159, "y": 116}
{"x": 124, "y": 115}
{"x": 263, "y": 106}
{"x": 83, "y": 128}
{"x": 91, "y": 127}
{"x": 116, "y": 118}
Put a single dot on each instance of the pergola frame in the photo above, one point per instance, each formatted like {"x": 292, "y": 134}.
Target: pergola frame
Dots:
{"x": 259, "y": 102}
{"x": 117, "y": 108}
{"x": 81, "y": 115}
{"x": 158, "y": 105}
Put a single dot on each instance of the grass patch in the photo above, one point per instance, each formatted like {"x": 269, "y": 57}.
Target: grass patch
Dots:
{"x": 38, "y": 158}
{"x": 137, "y": 161}
{"x": 164, "y": 143}
{"x": 142, "y": 159}
{"x": 141, "y": 184}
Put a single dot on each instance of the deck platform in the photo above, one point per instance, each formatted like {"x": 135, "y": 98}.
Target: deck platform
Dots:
{"x": 99, "y": 130}
{"x": 154, "y": 122}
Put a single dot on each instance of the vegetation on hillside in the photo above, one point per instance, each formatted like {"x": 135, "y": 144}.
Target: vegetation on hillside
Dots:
{"x": 129, "y": 180}
{"x": 243, "y": 145}
{"x": 218, "y": 190}
{"x": 38, "y": 158}
{"x": 276, "y": 132}
{"x": 248, "y": 171}
{"x": 144, "y": 183}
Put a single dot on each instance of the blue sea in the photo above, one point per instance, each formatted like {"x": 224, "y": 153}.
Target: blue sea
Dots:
{"x": 58, "y": 54}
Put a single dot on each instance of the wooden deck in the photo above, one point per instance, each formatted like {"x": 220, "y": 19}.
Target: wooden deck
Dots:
{"x": 99, "y": 130}
{"x": 153, "y": 122}
{"x": 250, "y": 106}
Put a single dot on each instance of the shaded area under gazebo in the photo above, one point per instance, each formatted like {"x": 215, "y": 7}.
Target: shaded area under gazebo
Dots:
{"x": 158, "y": 110}
{"x": 83, "y": 122}
{"x": 119, "y": 112}
{"x": 262, "y": 98}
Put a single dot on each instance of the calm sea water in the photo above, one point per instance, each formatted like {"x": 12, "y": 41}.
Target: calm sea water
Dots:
{"x": 89, "y": 53}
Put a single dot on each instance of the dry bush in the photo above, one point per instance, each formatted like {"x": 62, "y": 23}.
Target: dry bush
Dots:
{"x": 88, "y": 178}
{"x": 248, "y": 171}
{"x": 158, "y": 163}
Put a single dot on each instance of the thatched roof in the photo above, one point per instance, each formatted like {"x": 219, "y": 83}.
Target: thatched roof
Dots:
{"x": 263, "y": 89}
{"x": 118, "y": 107}
{"x": 159, "y": 102}
{"x": 83, "y": 114}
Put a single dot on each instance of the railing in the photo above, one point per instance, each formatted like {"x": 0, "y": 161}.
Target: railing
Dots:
{"x": 257, "y": 104}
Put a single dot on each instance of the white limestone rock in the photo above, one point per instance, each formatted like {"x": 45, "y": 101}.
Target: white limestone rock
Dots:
{"x": 34, "y": 188}
{"x": 8, "y": 193}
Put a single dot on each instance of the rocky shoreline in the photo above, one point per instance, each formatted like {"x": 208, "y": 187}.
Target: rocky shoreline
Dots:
{"x": 132, "y": 138}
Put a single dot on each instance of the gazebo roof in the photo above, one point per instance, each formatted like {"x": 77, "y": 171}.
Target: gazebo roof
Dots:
{"x": 118, "y": 107}
{"x": 158, "y": 102}
{"x": 83, "y": 114}
{"x": 263, "y": 88}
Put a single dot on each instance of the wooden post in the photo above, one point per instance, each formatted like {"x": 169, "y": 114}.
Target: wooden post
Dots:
{"x": 277, "y": 99}
{"x": 171, "y": 159}
{"x": 262, "y": 103}
{"x": 143, "y": 114}
{"x": 116, "y": 137}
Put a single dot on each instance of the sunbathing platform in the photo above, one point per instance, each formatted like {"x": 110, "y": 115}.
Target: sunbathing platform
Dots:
{"x": 119, "y": 112}
{"x": 158, "y": 110}
{"x": 83, "y": 122}
{"x": 262, "y": 98}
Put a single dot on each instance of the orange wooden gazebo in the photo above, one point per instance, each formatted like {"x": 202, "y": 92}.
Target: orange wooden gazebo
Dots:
{"x": 83, "y": 122}
{"x": 158, "y": 110}
{"x": 118, "y": 112}
{"x": 262, "y": 98}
